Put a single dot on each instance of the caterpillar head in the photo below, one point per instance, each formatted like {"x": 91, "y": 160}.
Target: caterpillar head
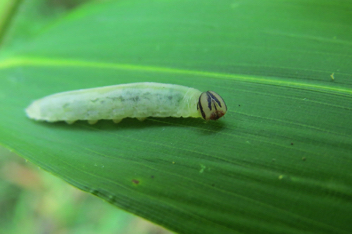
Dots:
{"x": 211, "y": 105}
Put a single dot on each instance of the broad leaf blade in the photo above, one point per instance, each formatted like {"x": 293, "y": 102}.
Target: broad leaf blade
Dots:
{"x": 279, "y": 162}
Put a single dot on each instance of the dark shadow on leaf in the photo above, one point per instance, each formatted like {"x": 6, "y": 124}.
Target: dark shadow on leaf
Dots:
{"x": 205, "y": 127}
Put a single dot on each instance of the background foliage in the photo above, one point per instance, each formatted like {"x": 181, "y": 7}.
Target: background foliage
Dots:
{"x": 279, "y": 162}
{"x": 34, "y": 201}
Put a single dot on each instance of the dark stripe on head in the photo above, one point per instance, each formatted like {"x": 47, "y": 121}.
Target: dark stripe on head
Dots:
{"x": 215, "y": 98}
{"x": 201, "y": 107}
{"x": 209, "y": 99}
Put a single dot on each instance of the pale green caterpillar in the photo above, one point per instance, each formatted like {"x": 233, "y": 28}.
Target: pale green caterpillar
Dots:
{"x": 136, "y": 100}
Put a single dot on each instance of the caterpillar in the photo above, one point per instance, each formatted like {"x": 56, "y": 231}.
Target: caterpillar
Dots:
{"x": 135, "y": 100}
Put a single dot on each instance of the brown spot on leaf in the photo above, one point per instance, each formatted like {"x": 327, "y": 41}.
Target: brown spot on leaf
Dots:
{"x": 135, "y": 181}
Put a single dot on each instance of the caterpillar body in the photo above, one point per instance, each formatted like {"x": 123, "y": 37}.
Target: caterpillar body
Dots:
{"x": 135, "y": 100}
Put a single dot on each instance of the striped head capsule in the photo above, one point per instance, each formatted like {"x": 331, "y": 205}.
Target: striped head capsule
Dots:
{"x": 211, "y": 105}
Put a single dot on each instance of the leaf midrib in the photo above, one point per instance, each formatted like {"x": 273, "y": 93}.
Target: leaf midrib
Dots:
{"x": 58, "y": 62}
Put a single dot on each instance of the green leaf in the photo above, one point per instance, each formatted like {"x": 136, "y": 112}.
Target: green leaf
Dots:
{"x": 278, "y": 162}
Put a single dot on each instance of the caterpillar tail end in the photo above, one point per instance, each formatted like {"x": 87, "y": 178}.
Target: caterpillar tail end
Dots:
{"x": 33, "y": 111}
